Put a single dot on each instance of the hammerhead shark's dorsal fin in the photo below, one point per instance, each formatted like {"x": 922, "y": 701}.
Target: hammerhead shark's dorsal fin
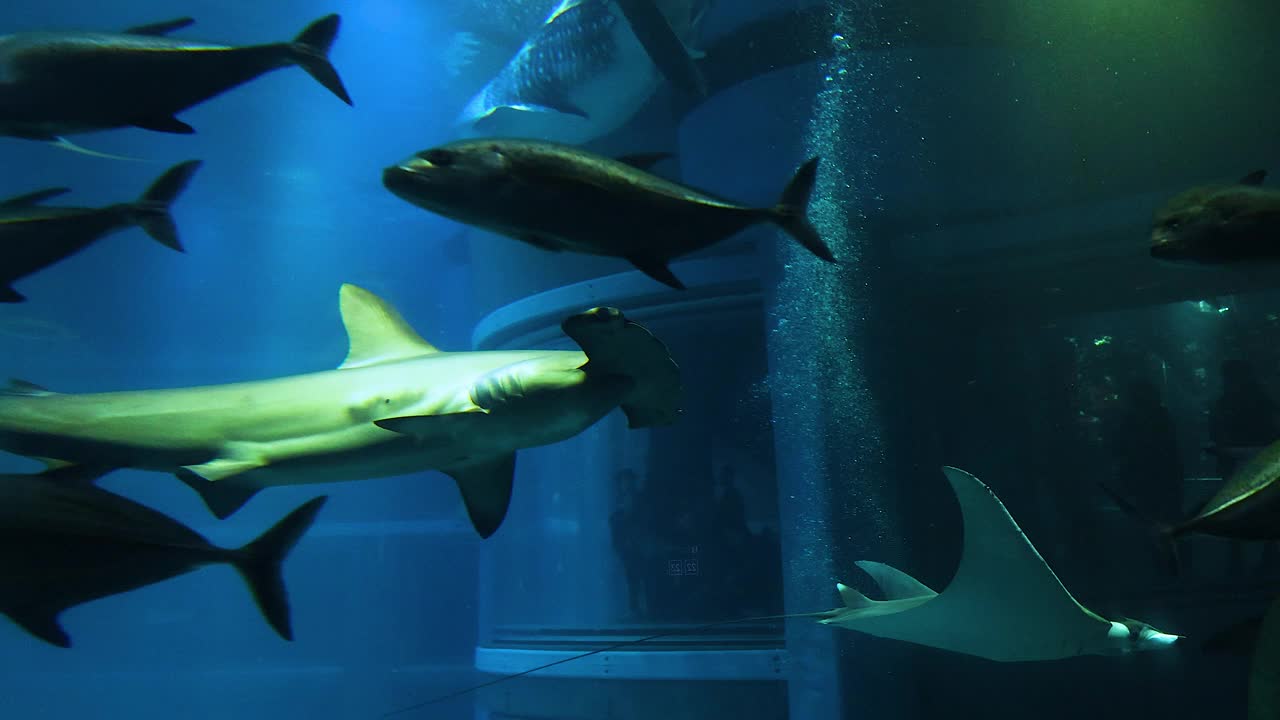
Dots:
{"x": 33, "y": 198}
{"x": 161, "y": 28}
{"x": 376, "y": 331}
{"x": 895, "y": 584}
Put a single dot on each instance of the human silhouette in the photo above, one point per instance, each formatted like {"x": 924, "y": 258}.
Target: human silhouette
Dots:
{"x": 629, "y": 533}
{"x": 1243, "y": 419}
{"x": 1146, "y": 465}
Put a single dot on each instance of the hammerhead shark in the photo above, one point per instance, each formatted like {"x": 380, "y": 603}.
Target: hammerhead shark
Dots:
{"x": 396, "y": 405}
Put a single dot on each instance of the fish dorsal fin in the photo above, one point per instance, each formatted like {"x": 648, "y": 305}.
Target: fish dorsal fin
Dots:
{"x": 161, "y": 28}
{"x": 895, "y": 584}
{"x": 34, "y": 198}
{"x": 376, "y": 331}
{"x": 1254, "y": 178}
{"x": 644, "y": 161}
{"x": 29, "y": 389}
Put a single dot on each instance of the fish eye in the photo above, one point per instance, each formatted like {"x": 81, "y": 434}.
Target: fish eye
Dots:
{"x": 439, "y": 158}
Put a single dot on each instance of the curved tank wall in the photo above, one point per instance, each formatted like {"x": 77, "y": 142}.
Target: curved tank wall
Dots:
{"x": 573, "y": 569}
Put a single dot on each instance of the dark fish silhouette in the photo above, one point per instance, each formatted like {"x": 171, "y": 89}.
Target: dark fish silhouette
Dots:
{"x": 33, "y": 237}
{"x": 558, "y": 197}
{"x": 1220, "y": 224}
{"x": 1246, "y": 507}
{"x": 64, "y": 542}
{"x": 54, "y": 83}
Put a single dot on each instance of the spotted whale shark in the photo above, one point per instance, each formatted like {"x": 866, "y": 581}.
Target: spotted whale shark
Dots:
{"x": 586, "y": 70}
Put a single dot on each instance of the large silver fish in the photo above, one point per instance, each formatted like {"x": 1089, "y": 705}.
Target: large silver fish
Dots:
{"x": 56, "y": 83}
{"x": 583, "y": 74}
{"x": 64, "y": 542}
{"x": 34, "y": 236}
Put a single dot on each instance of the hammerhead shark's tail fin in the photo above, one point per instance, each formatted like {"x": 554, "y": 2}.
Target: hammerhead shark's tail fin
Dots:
{"x": 617, "y": 346}
{"x": 260, "y": 563}
{"x": 310, "y": 50}
{"x": 151, "y": 211}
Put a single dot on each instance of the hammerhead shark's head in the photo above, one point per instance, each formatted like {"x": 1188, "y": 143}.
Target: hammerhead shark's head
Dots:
{"x": 1005, "y": 603}
{"x": 396, "y": 405}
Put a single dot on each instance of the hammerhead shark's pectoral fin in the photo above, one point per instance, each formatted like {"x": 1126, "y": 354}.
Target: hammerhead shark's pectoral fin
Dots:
{"x": 432, "y": 430}
{"x": 222, "y": 498}
{"x": 486, "y": 491}
{"x": 26, "y": 389}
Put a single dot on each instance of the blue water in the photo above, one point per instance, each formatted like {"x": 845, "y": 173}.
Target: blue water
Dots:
{"x": 979, "y": 167}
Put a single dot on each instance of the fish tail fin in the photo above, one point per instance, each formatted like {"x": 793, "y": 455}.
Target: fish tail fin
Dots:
{"x": 310, "y": 50}
{"x": 261, "y": 562}
{"x": 151, "y": 211}
{"x": 792, "y": 211}
{"x": 1163, "y": 535}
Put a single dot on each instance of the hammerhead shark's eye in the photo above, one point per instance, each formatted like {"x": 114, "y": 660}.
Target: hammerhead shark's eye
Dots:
{"x": 439, "y": 158}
